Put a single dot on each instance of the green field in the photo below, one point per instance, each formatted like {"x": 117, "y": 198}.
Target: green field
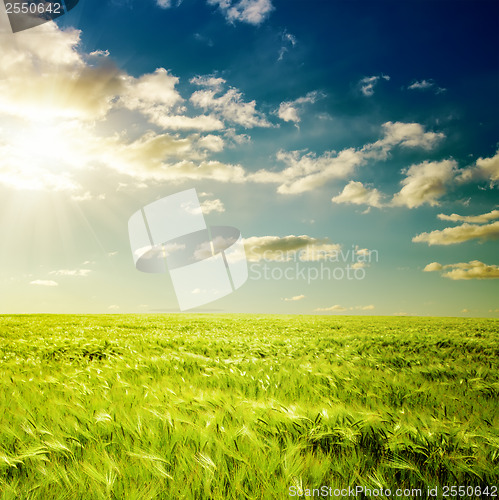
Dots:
{"x": 240, "y": 406}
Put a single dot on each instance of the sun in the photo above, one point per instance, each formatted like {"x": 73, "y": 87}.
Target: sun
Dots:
{"x": 38, "y": 154}
{"x": 48, "y": 144}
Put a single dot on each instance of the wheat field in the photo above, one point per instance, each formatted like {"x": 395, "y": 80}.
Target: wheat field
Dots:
{"x": 241, "y": 406}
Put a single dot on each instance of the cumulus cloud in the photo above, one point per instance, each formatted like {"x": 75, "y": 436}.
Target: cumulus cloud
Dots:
{"x": 364, "y": 252}
{"x": 359, "y": 265}
{"x": 209, "y": 206}
{"x": 72, "y": 272}
{"x": 367, "y": 84}
{"x": 307, "y": 171}
{"x": 230, "y": 106}
{"x": 483, "y": 169}
{"x": 356, "y": 193}
{"x": 211, "y": 143}
{"x": 459, "y": 234}
{"x": 405, "y": 135}
{"x": 422, "y": 85}
{"x": 433, "y": 266}
{"x": 335, "y": 308}
{"x": 426, "y": 85}
{"x": 477, "y": 219}
{"x": 246, "y": 11}
{"x": 295, "y": 298}
{"x": 48, "y": 82}
{"x": 213, "y": 82}
{"x": 282, "y": 249}
{"x": 465, "y": 270}
{"x": 290, "y": 111}
{"x": 152, "y": 156}
{"x": 202, "y": 123}
{"x": 370, "y": 307}
{"x": 167, "y": 4}
{"x": 53, "y": 96}
{"x": 44, "y": 283}
{"x": 155, "y": 96}
{"x": 426, "y": 183}
{"x": 155, "y": 89}
{"x": 43, "y": 75}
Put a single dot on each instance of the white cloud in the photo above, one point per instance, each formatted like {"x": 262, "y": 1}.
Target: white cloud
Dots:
{"x": 478, "y": 219}
{"x": 405, "y": 135}
{"x": 212, "y": 143}
{"x": 72, "y": 272}
{"x": 306, "y": 171}
{"x": 335, "y": 308}
{"x": 210, "y": 81}
{"x": 426, "y": 183}
{"x": 459, "y": 234}
{"x": 155, "y": 96}
{"x": 368, "y": 83}
{"x": 44, "y": 283}
{"x": 282, "y": 249}
{"x": 43, "y": 76}
{"x": 59, "y": 97}
{"x": 356, "y": 193}
{"x": 466, "y": 270}
{"x": 99, "y": 54}
{"x": 229, "y": 106}
{"x": 295, "y": 298}
{"x": 209, "y": 206}
{"x": 289, "y": 111}
{"x": 247, "y": 11}
{"x": 288, "y": 41}
{"x": 433, "y": 266}
{"x": 426, "y": 85}
{"x": 364, "y": 252}
{"x": 153, "y": 89}
{"x": 202, "y": 123}
{"x": 368, "y": 308}
{"x": 88, "y": 196}
{"x": 421, "y": 85}
{"x": 52, "y": 98}
{"x": 359, "y": 265}
{"x": 484, "y": 169}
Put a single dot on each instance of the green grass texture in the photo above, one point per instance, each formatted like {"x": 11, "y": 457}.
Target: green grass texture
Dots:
{"x": 193, "y": 406}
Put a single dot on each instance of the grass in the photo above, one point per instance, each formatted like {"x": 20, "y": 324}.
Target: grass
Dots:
{"x": 240, "y": 406}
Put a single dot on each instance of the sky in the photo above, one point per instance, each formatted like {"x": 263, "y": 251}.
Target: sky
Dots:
{"x": 354, "y": 144}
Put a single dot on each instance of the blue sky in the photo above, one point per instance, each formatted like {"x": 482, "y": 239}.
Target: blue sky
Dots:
{"x": 318, "y": 126}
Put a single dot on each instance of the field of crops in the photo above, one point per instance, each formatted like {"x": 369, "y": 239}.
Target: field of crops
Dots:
{"x": 240, "y": 406}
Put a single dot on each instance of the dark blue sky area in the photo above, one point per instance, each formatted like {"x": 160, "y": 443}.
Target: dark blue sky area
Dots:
{"x": 453, "y": 44}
